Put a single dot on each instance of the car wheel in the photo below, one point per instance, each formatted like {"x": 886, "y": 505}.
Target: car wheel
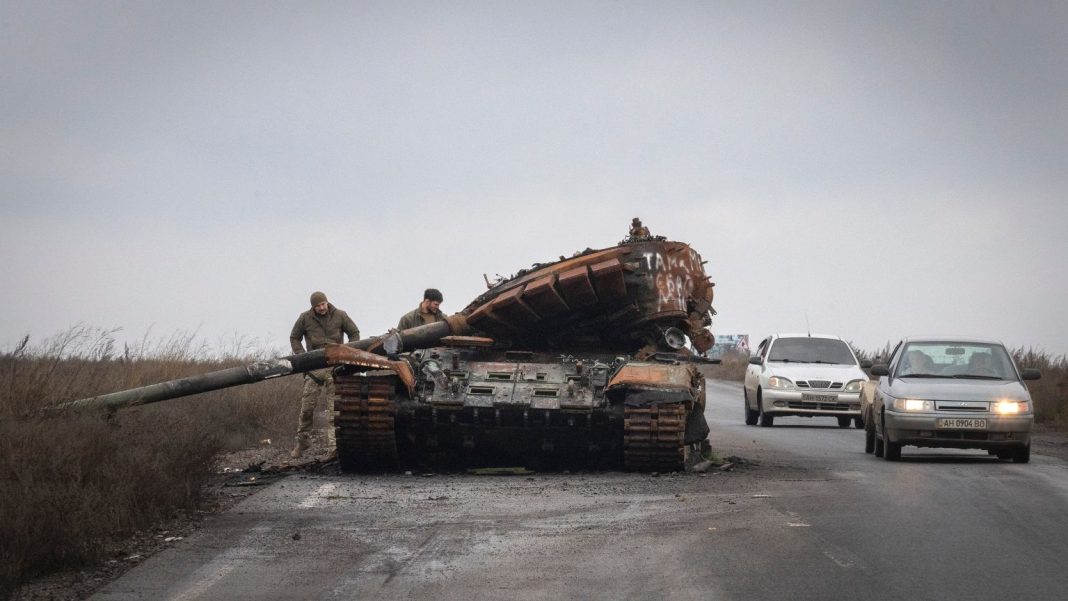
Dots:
{"x": 880, "y": 447}
{"x": 1003, "y": 455}
{"x": 891, "y": 450}
{"x": 858, "y": 422}
{"x": 843, "y": 421}
{"x": 1022, "y": 455}
{"x": 751, "y": 415}
{"x": 869, "y": 440}
{"x": 766, "y": 421}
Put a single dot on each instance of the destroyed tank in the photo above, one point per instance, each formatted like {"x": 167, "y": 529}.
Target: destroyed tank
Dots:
{"x": 580, "y": 362}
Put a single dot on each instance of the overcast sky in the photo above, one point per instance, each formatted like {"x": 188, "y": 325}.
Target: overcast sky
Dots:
{"x": 872, "y": 170}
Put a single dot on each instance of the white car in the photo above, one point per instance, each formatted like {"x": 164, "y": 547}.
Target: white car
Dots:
{"x": 806, "y": 375}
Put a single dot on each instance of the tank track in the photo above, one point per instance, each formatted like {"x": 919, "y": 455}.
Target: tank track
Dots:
{"x": 365, "y": 421}
{"x": 653, "y": 438}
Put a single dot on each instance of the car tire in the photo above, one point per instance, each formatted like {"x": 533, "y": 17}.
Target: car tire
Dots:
{"x": 858, "y": 422}
{"x": 1022, "y": 455}
{"x": 844, "y": 420}
{"x": 766, "y": 421}
{"x": 751, "y": 415}
{"x": 892, "y": 451}
{"x": 869, "y": 440}
{"x": 880, "y": 446}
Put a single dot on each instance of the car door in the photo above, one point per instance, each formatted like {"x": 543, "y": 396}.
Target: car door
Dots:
{"x": 883, "y": 388}
{"x": 752, "y": 373}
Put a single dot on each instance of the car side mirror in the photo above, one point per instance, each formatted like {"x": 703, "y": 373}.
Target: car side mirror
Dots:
{"x": 1030, "y": 373}
{"x": 880, "y": 370}
{"x": 756, "y": 360}
{"x": 865, "y": 364}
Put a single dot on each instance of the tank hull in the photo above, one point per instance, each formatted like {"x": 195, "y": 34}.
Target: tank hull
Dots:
{"x": 483, "y": 407}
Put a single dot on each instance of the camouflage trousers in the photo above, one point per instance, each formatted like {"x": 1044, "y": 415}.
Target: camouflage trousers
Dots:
{"x": 315, "y": 383}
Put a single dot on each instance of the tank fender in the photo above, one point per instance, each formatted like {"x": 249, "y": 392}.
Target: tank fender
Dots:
{"x": 340, "y": 354}
{"x": 641, "y": 384}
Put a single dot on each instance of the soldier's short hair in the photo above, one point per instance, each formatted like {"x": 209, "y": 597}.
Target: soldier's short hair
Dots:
{"x": 433, "y": 294}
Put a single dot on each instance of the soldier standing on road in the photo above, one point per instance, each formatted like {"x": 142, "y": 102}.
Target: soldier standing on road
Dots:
{"x": 428, "y": 311}
{"x": 322, "y": 324}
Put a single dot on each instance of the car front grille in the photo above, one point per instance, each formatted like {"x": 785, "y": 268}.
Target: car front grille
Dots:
{"x": 819, "y": 384}
{"x": 969, "y": 406}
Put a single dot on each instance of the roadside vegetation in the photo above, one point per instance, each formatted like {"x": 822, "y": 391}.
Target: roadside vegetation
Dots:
{"x": 73, "y": 483}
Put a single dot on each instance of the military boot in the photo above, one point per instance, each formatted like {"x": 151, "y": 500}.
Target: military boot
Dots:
{"x": 298, "y": 450}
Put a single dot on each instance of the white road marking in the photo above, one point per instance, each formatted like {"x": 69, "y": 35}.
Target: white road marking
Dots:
{"x": 223, "y": 564}
{"x": 316, "y": 498}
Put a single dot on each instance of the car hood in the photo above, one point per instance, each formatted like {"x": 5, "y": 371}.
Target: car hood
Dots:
{"x": 816, "y": 371}
{"x": 938, "y": 389}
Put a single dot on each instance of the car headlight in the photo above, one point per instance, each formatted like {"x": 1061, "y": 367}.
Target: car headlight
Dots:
{"x": 1010, "y": 407}
{"x": 853, "y": 386}
{"x": 913, "y": 405}
{"x": 777, "y": 383}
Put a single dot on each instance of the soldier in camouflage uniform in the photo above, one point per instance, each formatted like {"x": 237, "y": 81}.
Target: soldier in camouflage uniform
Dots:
{"x": 321, "y": 324}
{"x": 428, "y": 311}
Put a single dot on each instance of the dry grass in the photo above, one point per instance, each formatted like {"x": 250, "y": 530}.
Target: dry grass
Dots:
{"x": 71, "y": 482}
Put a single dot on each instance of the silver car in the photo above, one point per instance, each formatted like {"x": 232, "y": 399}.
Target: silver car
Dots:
{"x": 951, "y": 392}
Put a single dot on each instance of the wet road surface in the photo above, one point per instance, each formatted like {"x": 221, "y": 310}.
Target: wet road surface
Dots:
{"x": 808, "y": 515}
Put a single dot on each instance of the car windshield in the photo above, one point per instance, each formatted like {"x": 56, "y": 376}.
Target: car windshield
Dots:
{"x": 964, "y": 360}
{"x": 811, "y": 350}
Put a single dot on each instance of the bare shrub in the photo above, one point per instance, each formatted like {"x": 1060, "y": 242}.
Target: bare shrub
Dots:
{"x": 1050, "y": 393}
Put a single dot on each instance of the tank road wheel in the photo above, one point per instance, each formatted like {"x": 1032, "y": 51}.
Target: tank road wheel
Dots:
{"x": 365, "y": 420}
{"x": 653, "y": 438}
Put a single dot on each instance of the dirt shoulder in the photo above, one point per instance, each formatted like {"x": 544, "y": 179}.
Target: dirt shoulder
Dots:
{"x": 1050, "y": 442}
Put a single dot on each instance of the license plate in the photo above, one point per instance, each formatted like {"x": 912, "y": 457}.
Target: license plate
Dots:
{"x": 962, "y": 423}
{"x": 821, "y": 398}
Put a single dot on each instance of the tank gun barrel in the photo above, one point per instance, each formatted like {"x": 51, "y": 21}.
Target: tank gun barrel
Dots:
{"x": 413, "y": 338}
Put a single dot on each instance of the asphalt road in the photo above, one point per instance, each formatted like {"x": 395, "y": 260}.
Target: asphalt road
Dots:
{"x": 808, "y": 515}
